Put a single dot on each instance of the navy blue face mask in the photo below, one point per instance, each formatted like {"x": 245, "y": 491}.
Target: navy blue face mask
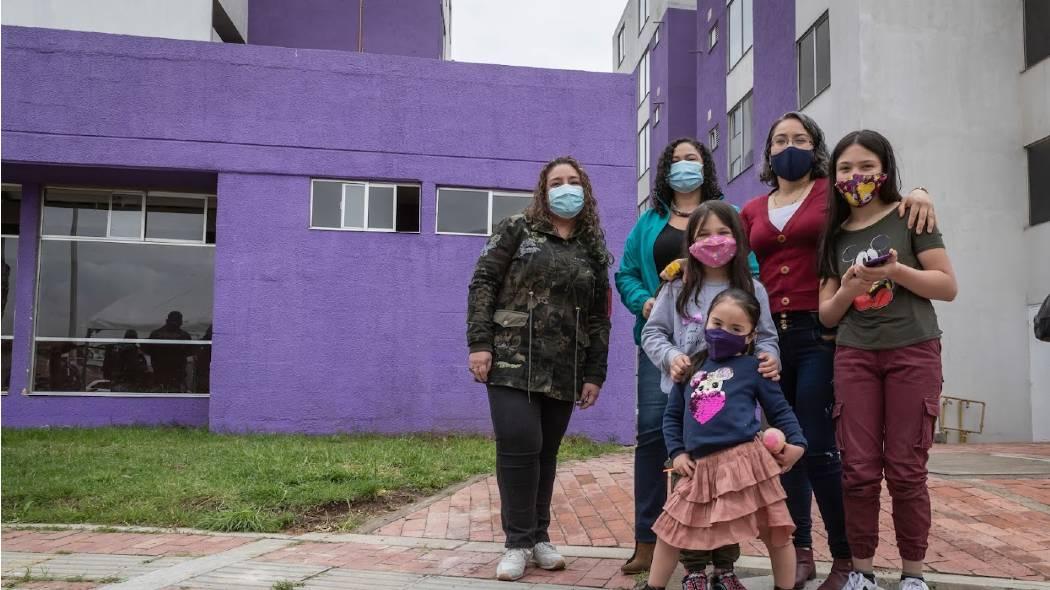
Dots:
{"x": 793, "y": 163}
{"x": 722, "y": 345}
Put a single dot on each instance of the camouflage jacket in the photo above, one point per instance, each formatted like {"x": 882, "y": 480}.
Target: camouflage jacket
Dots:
{"x": 540, "y": 305}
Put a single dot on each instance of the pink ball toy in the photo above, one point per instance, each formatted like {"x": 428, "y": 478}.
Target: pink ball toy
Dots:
{"x": 773, "y": 439}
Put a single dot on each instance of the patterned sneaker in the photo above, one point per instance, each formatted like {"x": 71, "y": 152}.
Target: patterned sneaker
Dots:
{"x": 512, "y": 566}
{"x": 726, "y": 581}
{"x": 695, "y": 581}
{"x": 547, "y": 557}
{"x": 857, "y": 581}
{"x": 913, "y": 584}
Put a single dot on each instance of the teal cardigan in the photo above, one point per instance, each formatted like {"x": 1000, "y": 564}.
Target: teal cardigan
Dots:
{"x": 638, "y": 276}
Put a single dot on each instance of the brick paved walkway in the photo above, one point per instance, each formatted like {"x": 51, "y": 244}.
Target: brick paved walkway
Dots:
{"x": 981, "y": 526}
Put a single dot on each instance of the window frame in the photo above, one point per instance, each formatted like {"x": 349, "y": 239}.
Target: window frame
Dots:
{"x": 42, "y": 237}
{"x": 621, "y": 46}
{"x": 823, "y": 19}
{"x": 643, "y": 15}
{"x": 13, "y": 290}
{"x": 1041, "y": 144}
{"x": 712, "y": 37}
{"x": 744, "y": 25}
{"x": 713, "y": 136}
{"x": 644, "y": 149}
{"x": 491, "y": 192}
{"x": 746, "y": 157}
{"x": 1029, "y": 61}
{"x": 367, "y": 184}
{"x": 644, "y": 81}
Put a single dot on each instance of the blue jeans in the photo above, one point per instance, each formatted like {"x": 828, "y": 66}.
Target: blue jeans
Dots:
{"x": 650, "y": 481}
{"x": 807, "y": 361}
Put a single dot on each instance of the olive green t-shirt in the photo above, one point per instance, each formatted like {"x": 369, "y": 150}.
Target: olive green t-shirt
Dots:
{"x": 888, "y": 315}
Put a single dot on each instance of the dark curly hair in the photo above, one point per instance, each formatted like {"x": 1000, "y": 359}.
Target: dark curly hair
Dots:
{"x": 663, "y": 194}
{"x": 820, "y": 148}
{"x": 590, "y": 226}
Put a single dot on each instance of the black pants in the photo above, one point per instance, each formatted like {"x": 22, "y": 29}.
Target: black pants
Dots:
{"x": 528, "y": 434}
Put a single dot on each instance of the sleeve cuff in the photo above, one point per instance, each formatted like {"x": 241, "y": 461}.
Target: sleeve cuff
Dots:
{"x": 599, "y": 381}
{"x": 481, "y": 347}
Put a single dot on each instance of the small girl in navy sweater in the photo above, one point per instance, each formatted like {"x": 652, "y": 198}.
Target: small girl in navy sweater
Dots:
{"x": 730, "y": 488}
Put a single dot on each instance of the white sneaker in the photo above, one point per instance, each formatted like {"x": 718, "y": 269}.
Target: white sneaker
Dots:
{"x": 857, "y": 581}
{"x": 547, "y": 557}
{"x": 913, "y": 584}
{"x": 512, "y": 566}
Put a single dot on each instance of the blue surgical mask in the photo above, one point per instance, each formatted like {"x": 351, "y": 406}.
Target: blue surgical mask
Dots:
{"x": 566, "y": 201}
{"x": 685, "y": 176}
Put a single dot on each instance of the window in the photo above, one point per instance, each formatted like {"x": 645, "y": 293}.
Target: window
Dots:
{"x": 621, "y": 51}
{"x": 712, "y": 138}
{"x": 740, "y": 137}
{"x": 643, "y": 77}
{"x": 475, "y": 212}
{"x": 643, "y": 150}
{"x": 124, "y": 294}
{"x": 643, "y": 14}
{"x": 656, "y": 116}
{"x": 1039, "y": 181}
{"x": 740, "y": 29}
{"x": 11, "y": 209}
{"x": 364, "y": 206}
{"x": 814, "y": 61}
{"x": 656, "y": 35}
{"x": 1036, "y": 31}
{"x": 712, "y": 37}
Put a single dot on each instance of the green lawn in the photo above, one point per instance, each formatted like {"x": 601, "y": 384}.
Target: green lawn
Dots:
{"x": 194, "y": 478}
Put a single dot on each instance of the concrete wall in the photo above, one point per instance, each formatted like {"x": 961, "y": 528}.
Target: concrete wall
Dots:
{"x": 185, "y": 19}
{"x": 324, "y": 331}
{"x": 635, "y": 40}
{"x": 405, "y": 27}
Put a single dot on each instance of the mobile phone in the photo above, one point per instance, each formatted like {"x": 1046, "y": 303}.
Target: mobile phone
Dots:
{"x": 878, "y": 261}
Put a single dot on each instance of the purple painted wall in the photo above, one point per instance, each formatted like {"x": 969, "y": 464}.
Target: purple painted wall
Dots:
{"x": 395, "y": 27}
{"x": 711, "y": 82}
{"x": 325, "y": 331}
{"x": 673, "y": 81}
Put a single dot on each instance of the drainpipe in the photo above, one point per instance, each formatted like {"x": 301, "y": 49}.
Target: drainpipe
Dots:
{"x": 360, "y": 25}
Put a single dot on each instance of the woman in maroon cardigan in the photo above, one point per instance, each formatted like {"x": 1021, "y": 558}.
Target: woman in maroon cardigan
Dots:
{"x": 784, "y": 229}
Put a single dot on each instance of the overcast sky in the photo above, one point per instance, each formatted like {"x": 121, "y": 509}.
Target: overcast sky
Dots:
{"x": 563, "y": 34}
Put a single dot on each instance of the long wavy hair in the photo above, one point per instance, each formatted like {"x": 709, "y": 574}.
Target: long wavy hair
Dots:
{"x": 838, "y": 209}
{"x": 820, "y": 148}
{"x": 739, "y": 270}
{"x": 663, "y": 194}
{"x": 589, "y": 225}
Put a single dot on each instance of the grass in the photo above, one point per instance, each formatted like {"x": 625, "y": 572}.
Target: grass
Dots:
{"x": 259, "y": 483}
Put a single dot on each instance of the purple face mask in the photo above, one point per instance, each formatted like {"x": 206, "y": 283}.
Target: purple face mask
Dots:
{"x": 722, "y": 345}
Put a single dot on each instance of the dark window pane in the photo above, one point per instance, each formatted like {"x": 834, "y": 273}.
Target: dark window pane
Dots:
{"x": 462, "y": 211}
{"x": 1036, "y": 31}
{"x": 76, "y": 213}
{"x": 408, "y": 208}
{"x": 173, "y": 218}
{"x": 209, "y": 232}
{"x": 100, "y": 289}
{"x": 806, "y": 72}
{"x": 133, "y": 367}
{"x": 380, "y": 207}
{"x": 1039, "y": 182}
{"x": 11, "y": 210}
{"x": 823, "y": 59}
{"x": 5, "y": 364}
{"x": 126, "y": 219}
{"x": 504, "y": 206}
{"x": 10, "y": 271}
{"x": 326, "y": 207}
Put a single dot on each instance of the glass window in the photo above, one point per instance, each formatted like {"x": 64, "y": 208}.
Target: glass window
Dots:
{"x": 643, "y": 14}
{"x": 1036, "y": 31}
{"x": 125, "y": 315}
{"x": 814, "y": 61}
{"x": 1039, "y": 182}
{"x": 621, "y": 51}
{"x": 712, "y": 37}
{"x": 326, "y": 204}
{"x": 643, "y": 77}
{"x": 71, "y": 212}
{"x": 712, "y": 138}
{"x": 740, "y": 137}
{"x": 741, "y": 29}
{"x": 643, "y": 150}
{"x": 462, "y": 211}
{"x": 505, "y": 205}
{"x": 364, "y": 206}
{"x": 11, "y": 207}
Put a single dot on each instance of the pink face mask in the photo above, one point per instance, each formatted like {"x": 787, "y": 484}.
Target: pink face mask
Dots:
{"x": 714, "y": 251}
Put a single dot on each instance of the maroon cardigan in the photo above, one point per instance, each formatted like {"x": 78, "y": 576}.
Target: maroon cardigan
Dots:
{"x": 787, "y": 260}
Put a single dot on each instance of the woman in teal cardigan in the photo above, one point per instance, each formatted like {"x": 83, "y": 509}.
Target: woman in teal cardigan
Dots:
{"x": 685, "y": 177}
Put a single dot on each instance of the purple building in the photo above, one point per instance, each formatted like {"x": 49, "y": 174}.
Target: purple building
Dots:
{"x": 277, "y": 235}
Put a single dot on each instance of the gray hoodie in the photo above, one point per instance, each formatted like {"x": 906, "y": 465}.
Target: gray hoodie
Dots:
{"x": 667, "y": 335}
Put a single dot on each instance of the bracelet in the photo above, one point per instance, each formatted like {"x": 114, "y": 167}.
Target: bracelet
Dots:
{"x": 920, "y": 188}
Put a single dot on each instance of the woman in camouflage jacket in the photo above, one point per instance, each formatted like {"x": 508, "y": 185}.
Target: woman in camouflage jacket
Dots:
{"x": 538, "y": 331}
